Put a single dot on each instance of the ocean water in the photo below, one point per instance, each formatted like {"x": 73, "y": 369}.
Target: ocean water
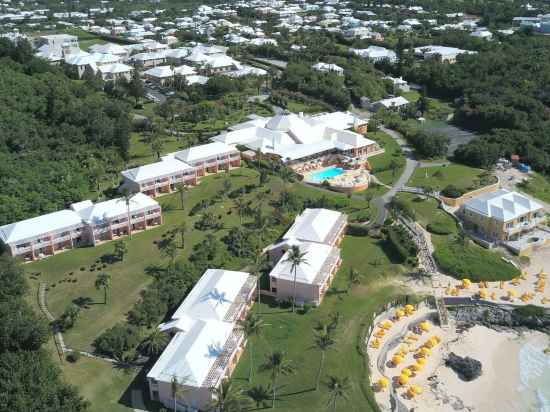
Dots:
{"x": 534, "y": 370}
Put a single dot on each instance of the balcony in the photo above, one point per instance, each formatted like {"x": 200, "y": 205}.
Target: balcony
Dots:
{"x": 524, "y": 226}
{"x": 20, "y": 250}
{"x": 221, "y": 364}
{"x": 62, "y": 239}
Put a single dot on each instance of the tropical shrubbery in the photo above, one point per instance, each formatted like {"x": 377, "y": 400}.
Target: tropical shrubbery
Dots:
{"x": 402, "y": 243}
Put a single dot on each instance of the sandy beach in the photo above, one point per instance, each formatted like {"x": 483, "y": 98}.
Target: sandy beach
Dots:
{"x": 500, "y": 386}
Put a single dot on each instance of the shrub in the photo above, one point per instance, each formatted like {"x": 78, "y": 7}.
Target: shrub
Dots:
{"x": 439, "y": 228}
{"x": 402, "y": 243}
{"x": 452, "y": 192}
{"x": 73, "y": 357}
{"x": 357, "y": 230}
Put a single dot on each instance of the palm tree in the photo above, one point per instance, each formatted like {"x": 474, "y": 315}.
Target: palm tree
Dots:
{"x": 260, "y": 395}
{"x": 354, "y": 277}
{"x": 177, "y": 389}
{"x": 228, "y": 398}
{"x": 241, "y": 207}
{"x": 295, "y": 258}
{"x": 182, "y": 189}
{"x": 338, "y": 388}
{"x": 277, "y": 363}
{"x": 155, "y": 342}
{"x": 169, "y": 250}
{"x": 127, "y": 199}
{"x": 323, "y": 341}
{"x": 182, "y": 230}
{"x": 251, "y": 326}
{"x": 103, "y": 281}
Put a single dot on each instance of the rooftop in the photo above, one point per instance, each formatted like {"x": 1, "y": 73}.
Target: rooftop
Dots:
{"x": 502, "y": 205}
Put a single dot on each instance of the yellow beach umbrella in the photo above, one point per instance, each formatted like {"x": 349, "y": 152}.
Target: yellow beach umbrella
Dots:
{"x": 416, "y": 389}
{"x": 421, "y": 361}
{"x": 380, "y": 333}
{"x": 425, "y": 326}
{"x": 455, "y": 292}
{"x": 523, "y": 275}
{"x": 409, "y": 309}
{"x": 494, "y": 296}
{"x": 502, "y": 284}
{"x": 512, "y": 294}
{"x": 417, "y": 366}
{"x": 387, "y": 324}
{"x": 383, "y": 383}
{"x": 406, "y": 371}
{"x": 425, "y": 352}
{"x": 399, "y": 313}
{"x": 403, "y": 380}
{"x": 397, "y": 359}
{"x": 466, "y": 283}
{"x": 483, "y": 294}
{"x": 544, "y": 300}
{"x": 542, "y": 274}
{"x": 375, "y": 343}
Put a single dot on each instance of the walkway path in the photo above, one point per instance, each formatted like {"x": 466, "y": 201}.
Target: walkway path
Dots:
{"x": 381, "y": 203}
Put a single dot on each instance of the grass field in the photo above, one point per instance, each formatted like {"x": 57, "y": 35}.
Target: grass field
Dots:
{"x": 537, "y": 186}
{"x": 381, "y": 163}
{"x": 455, "y": 258}
{"x": 438, "y": 177}
{"x": 293, "y": 333}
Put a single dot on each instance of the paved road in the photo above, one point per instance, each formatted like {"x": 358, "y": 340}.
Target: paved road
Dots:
{"x": 279, "y": 64}
{"x": 381, "y": 203}
{"x": 161, "y": 98}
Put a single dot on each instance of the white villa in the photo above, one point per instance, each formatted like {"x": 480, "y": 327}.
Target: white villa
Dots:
{"x": 185, "y": 166}
{"x": 445, "y": 54}
{"x": 317, "y": 233}
{"x": 296, "y": 139}
{"x": 85, "y": 223}
{"x": 206, "y": 340}
{"x": 328, "y": 68}
{"x": 375, "y": 54}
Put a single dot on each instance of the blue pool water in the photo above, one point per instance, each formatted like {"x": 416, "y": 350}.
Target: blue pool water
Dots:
{"x": 327, "y": 174}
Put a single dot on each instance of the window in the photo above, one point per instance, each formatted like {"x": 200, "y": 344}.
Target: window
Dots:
{"x": 274, "y": 290}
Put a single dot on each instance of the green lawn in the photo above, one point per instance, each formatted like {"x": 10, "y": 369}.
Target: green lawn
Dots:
{"x": 293, "y": 333}
{"x": 296, "y": 106}
{"x": 438, "y": 177}
{"x": 141, "y": 153}
{"x": 381, "y": 163}
{"x": 537, "y": 186}
{"x": 458, "y": 260}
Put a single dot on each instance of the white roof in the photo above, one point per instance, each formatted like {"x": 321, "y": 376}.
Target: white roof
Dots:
{"x": 160, "y": 72}
{"x": 110, "y": 48}
{"x": 502, "y": 205}
{"x": 116, "y": 68}
{"x": 40, "y": 225}
{"x": 314, "y": 225}
{"x": 393, "y": 102}
{"x": 99, "y": 212}
{"x": 203, "y": 152}
{"x": 165, "y": 167}
{"x": 315, "y": 255}
{"x": 213, "y": 295}
{"x": 191, "y": 354}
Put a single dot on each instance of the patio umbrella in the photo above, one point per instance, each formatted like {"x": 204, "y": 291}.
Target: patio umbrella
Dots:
{"x": 455, "y": 292}
{"x": 494, "y": 296}
{"x": 421, "y": 361}
{"x": 512, "y": 294}
{"x": 416, "y": 389}
{"x": 483, "y": 293}
{"x": 409, "y": 309}
{"x": 383, "y": 383}
{"x": 425, "y": 326}
{"x": 425, "y": 352}
{"x": 417, "y": 367}
{"x": 375, "y": 343}
{"x": 406, "y": 371}
{"x": 380, "y": 333}
{"x": 466, "y": 283}
{"x": 397, "y": 359}
{"x": 387, "y": 324}
{"x": 399, "y": 313}
{"x": 403, "y": 380}
{"x": 542, "y": 274}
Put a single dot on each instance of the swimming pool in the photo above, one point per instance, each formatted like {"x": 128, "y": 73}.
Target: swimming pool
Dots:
{"x": 326, "y": 174}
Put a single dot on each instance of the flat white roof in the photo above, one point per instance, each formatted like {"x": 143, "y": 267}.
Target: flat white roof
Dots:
{"x": 314, "y": 225}
{"x": 203, "y": 152}
{"x": 102, "y": 211}
{"x": 165, "y": 167}
{"x": 502, "y": 205}
{"x": 315, "y": 255}
{"x": 191, "y": 354}
{"x": 40, "y": 225}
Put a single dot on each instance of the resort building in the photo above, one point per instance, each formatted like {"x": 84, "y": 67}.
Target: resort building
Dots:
{"x": 317, "y": 233}
{"x": 296, "y": 138}
{"x": 328, "y": 68}
{"x": 502, "y": 215}
{"x": 85, "y": 223}
{"x": 185, "y": 166}
{"x": 206, "y": 340}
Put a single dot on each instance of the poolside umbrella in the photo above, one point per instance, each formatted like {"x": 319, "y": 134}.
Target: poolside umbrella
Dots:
{"x": 430, "y": 344}
{"x": 512, "y": 294}
{"x": 383, "y": 383}
{"x": 417, "y": 367}
{"x": 542, "y": 274}
{"x": 416, "y": 389}
{"x": 425, "y": 326}
{"x": 403, "y": 379}
{"x": 455, "y": 292}
{"x": 544, "y": 300}
{"x": 406, "y": 371}
{"x": 421, "y": 361}
{"x": 397, "y": 359}
{"x": 523, "y": 275}
{"x": 380, "y": 333}
{"x": 376, "y": 343}
{"x": 494, "y": 296}
{"x": 483, "y": 293}
{"x": 409, "y": 309}
{"x": 515, "y": 281}
{"x": 399, "y": 313}
{"x": 387, "y": 324}
{"x": 425, "y": 352}
{"x": 466, "y": 283}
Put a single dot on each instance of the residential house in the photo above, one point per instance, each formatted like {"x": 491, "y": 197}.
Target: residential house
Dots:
{"x": 206, "y": 342}
{"x": 328, "y": 68}
{"x": 502, "y": 215}
{"x": 375, "y": 54}
{"x": 392, "y": 103}
{"x": 317, "y": 233}
{"x": 443, "y": 53}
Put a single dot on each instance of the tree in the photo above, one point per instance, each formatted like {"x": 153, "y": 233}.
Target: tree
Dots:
{"x": 182, "y": 230}
{"x": 68, "y": 317}
{"x": 121, "y": 249}
{"x": 228, "y": 398}
{"x": 155, "y": 342}
{"x": 177, "y": 389}
{"x": 338, "y": 388}
{"x": 103, "y": 281}
{"x": 277, "y": 364}
{"x": 127, "y": 199}
{"x": 323, "y": 342}
{"x": 241, "y": 207}
{"x": 354, "y": 277}
{"x": 170, "y": 251}
{"x": 296, "y": 258}
{"x": 135, "y": 87}
{"x": 182, "y": 189}
{"x": 251, "y": 326}
{"x": 260, "y": 395}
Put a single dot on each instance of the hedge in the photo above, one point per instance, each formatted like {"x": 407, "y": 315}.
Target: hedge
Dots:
{"x": 357, "y": 230}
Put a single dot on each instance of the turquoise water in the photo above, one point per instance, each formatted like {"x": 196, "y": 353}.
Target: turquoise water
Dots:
{"x": 535, "y": 378}
{"x": 327, "y": 174}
